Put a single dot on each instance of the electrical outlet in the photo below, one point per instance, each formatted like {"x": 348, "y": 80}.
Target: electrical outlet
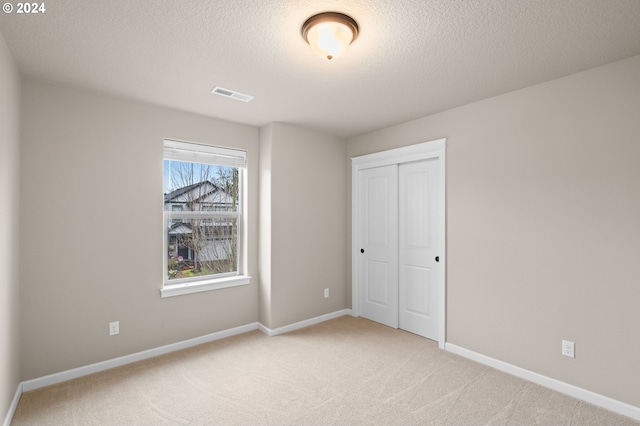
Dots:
{"x": 114, "y": 328}
{"x": 568, "y": 349}
{"x": 326, "y": 293}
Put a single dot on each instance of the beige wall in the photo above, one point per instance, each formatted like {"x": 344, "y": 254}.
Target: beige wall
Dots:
{"x": 264, "y": 231}
{"x": 543, "y": 225}
{"x": 305, "y": 226}
{"x": 9, "y": 222}
{"x": 91, "y": 229}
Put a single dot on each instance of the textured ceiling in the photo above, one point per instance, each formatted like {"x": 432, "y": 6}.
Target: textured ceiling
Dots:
{"x": 411, "y": 59}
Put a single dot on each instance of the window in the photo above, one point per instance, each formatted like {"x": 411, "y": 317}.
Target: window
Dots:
{"x": 203, "y": 218}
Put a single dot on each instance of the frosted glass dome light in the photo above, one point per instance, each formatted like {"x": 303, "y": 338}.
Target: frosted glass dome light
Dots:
{"x": 329, "y": 33}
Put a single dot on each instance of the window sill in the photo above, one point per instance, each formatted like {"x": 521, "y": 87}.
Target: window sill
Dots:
{"x": 207, "y": 285}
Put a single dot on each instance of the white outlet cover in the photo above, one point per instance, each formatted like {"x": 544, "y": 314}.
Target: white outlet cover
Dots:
{"x": 114, "y": 328}
{"x": 568, "y": 348}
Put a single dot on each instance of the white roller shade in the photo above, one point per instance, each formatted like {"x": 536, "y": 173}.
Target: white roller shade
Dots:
{"x": 205, "y": 154}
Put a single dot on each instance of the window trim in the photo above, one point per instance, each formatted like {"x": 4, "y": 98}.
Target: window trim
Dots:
{"x": 204, "y": 285}
{"x": 225, "y": 157}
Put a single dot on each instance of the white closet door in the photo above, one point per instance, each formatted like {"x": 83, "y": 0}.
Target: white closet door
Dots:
{"x": 378, "y": 222}
{"x": 419, "y": 266}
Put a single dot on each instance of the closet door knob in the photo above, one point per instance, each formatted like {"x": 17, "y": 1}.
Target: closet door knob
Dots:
{"x": 361, "y": 250}
{"x": 437, "y": 258}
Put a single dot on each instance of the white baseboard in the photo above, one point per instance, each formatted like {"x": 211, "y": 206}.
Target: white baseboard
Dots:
{"x": 63, "y": 376}
{"x": 128, "y": 359}
{"x": 562, "y": 387}
{"x": 139, "y": 356}
{"x": 13, "y": 406}
{"x": 305, "y": 323}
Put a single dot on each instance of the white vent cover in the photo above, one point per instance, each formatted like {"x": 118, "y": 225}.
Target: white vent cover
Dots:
{"x": 231, "y": 94}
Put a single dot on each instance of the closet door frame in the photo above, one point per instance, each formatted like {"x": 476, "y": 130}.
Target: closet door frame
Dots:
{"x": 417, "y": 152}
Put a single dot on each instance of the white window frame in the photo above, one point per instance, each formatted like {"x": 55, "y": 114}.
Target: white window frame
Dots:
{"x": 206, "y": 154}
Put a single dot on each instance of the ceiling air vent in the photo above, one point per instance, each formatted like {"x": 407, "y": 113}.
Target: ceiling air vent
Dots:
{"x": 231, "y": 94}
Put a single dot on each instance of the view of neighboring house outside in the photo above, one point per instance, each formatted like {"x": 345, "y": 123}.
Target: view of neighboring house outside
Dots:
{"x": 201, "y": 220}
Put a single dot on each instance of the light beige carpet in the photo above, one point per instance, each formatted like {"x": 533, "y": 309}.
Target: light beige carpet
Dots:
{"x": 348, "y": 371}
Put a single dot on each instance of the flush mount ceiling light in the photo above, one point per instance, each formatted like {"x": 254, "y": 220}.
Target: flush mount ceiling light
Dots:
{"x": 329, "y": 33}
